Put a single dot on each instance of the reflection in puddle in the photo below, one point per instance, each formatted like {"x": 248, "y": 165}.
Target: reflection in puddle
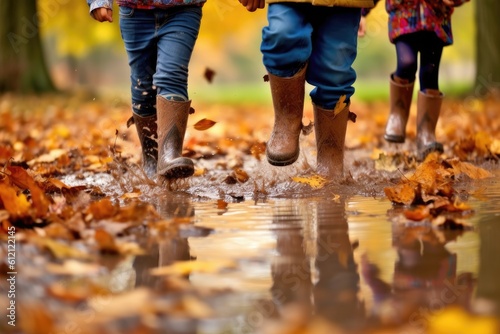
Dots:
{"x": 346, "y": 260}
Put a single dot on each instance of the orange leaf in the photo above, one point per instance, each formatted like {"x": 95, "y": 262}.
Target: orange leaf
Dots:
{"x": 23, "y": 180}
{"x": 402, "y": 193}
{"x": 417, "y": 214}
{"x": 204, "y": 124}
{"x": 105, "y": 241}
{"x": 16, "y": 205}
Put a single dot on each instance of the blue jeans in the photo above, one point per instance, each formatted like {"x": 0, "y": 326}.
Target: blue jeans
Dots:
{"x": 159, "y": 44}
{"x": 323, "y": 37}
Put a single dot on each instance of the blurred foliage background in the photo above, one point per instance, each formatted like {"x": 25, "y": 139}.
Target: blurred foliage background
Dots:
{"x": 84, "y": 54}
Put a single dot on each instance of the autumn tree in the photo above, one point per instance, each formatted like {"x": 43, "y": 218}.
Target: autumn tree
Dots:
{"x": 22, "y": 63}
{"x": 487, "y": 46}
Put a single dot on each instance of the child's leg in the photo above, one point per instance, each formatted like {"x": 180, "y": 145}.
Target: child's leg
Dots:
{"x": 137, "y": 29}
{"x": 429, "y": 98}
{"x": 334, "y": 50}
{"x": 401, "y": 89}
{"x": 176, "y": 36}
{"x": 331, "y": 73}
{"x": 286, "y": 47}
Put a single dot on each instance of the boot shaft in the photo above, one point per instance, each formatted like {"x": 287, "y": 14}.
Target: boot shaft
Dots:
{"x": 172, "y": 122}
{"x": 288, "y": 102}
{"x": 400, "y": 102}
{"x": 330, "y": 129}
{"x": 428, "y": 110}
{"x": 148, "y": 137}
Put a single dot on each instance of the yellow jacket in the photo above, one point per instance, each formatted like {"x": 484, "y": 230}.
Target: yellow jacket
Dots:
{"x": 331, "y": 3}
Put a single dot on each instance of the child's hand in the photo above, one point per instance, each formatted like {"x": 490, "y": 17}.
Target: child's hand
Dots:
{"x": 253, "y": 5}
{"x": 449, "y": 2}
{"x": 103, "y": 14}
{"x": 362, "y": 27}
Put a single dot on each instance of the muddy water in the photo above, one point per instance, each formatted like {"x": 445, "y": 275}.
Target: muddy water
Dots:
{"x": 350, "y": 259}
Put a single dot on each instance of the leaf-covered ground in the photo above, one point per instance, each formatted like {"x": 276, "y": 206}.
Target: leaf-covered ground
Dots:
{"x": 72, "y": 192}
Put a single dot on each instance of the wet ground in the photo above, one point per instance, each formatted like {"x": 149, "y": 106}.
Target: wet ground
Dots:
{"x": 269, "y": 254}
{"x": 341, "y": 259}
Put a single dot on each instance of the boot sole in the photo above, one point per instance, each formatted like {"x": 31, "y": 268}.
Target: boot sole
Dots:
{"x": 178, "y": 172}
{"x": 281, "y": 162}
{"x": 394, "y": 138}
{"x": 177, "y": 169}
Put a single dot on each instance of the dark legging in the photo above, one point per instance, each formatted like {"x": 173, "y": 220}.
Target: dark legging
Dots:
{"x": 430, "y": 48}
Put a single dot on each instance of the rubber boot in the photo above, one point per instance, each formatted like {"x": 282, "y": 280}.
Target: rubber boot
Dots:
{"x": 172, "y": 122}
{"x": 288, "y": 102}
{"x": 330, "y": 130}
{"x": 400, "y": 101}
{"x": 148, "y": 136}
{"x": 428, "y": 110}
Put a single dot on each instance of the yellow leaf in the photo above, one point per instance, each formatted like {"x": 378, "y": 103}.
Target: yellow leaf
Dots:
{"x": 339, "y": 106}
{"x": 186, "y": 267}
{"x": 495, "y": 147}
{"x": 314, "y": 181}
{"x": 60, "y": 250}
{"x": 457, "y": 321}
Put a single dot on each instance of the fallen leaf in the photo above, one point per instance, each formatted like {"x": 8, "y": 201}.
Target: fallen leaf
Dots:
{"x": 314, "y": 181}
{"x": 73, "y": 268}
{"x": 240, "y": 175}
{"x": 454, "y": 320}
{"x": 186, "y": 267}
{"x": 403, "y": 193}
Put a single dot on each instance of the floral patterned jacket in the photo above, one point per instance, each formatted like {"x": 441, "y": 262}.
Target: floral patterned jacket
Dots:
{"x": 409, "y": 16}
{"x": 142, "y": 4}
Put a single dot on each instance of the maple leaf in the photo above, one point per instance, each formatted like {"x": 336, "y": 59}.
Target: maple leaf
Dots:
{"x": 204, "y": 124}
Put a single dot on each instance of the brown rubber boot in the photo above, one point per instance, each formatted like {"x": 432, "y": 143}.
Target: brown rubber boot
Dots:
{"x": 428, "y": 110}
{"x": 146, "y": 129}
{"x": 330, "y": 130}
{"x": 401, "y": 92}
{"x": 288, "y": 102}
{"x": 172, "y": 122}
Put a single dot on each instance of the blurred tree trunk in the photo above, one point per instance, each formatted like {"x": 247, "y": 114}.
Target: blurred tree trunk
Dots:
{"x": 487, "y": 47}
{"x": 22, "y": 63}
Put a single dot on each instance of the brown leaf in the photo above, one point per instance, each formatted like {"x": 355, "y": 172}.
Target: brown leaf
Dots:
{"x": 209, "y": 74}
{"x": 204, "y": 124}
{"x": 106, "y": 242}
{"x": 240, "y": 175}
{"x": 221, "y": 204}
{"x": 102, "y": 209}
